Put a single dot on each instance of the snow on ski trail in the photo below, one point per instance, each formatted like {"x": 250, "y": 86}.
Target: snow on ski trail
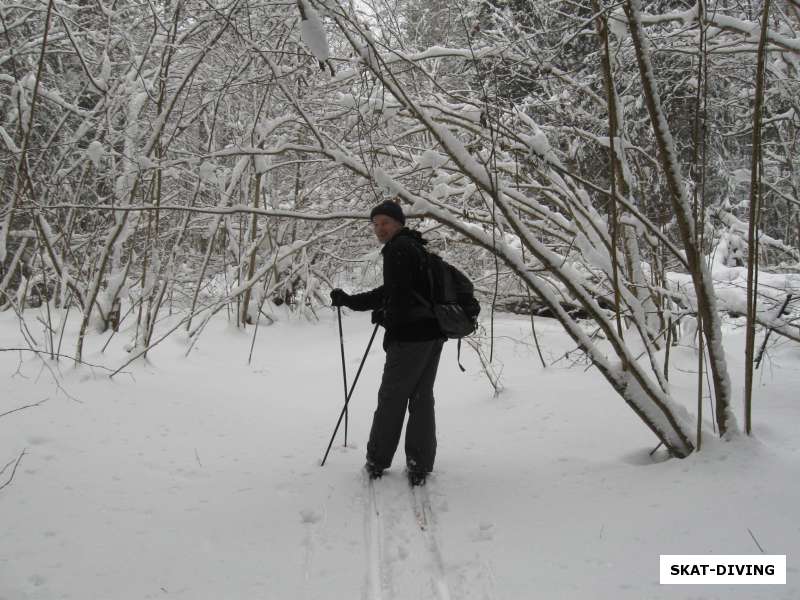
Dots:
{"x": 377, "y": 574}
{"x": 405, "y": 558}
{"x": 426, "y": 521}
{"x": 199, "y": 477}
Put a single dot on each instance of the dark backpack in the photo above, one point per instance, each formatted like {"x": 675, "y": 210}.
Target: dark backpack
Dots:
{"x": 452, "y": 300}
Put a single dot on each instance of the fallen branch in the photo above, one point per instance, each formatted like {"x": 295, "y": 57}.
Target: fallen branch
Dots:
{"x": 24, "y": 407}
{"x": 755, "y": 540}
{"x": 37, "y": 352}
{"x": 769, "y": 330}
{"x": 13, "y": 471}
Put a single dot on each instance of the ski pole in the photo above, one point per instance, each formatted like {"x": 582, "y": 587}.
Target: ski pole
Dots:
{"x": 344, "y": 371}
{"x": 349, "y": 394}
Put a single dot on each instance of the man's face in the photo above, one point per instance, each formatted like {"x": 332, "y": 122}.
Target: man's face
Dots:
{"x": 385, "y": 227}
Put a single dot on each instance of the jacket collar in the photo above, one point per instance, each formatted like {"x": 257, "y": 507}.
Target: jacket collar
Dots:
{"x": 406, "y": 232}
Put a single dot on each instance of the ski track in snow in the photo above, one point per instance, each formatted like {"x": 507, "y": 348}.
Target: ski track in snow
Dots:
{"x": 401, "y": 556}
{"x": 421, "y": 504}
{"x": 310, "y": 519}
{"x": 404, "y": 556}
{"x": 472, "y": 578}
{"x": 377, "y": 573}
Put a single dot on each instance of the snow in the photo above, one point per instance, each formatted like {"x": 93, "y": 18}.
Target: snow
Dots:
{"x": 730, "y": 288}
{"x": 9, "y": 143}
{"x": 538, "y": 142}
{"x": 261, "y": 163}
{"x": 208, "y": 172}
{"x": 741, "y": 176}
{"x": 199, "y": 477}
{"x": 687, "y": 17}
{"x": 369, "y": 56}
{"x": 105, "y": 73}
{"x": 618, "y": 25}
{"x": 135, "y": 105}
{"x": 714, "y": 18}
{"x": 431, "y": 159}
{"x": 312, "y": 32}
{"x": 751, "y": 30}
{"x": 386, "y": 182}
{"x": 95, "y": 152}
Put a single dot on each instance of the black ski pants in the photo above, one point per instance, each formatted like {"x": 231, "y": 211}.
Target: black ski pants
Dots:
{"x": 408, "y": 377}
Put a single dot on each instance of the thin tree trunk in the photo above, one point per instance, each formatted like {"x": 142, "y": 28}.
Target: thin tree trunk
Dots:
{"x": 698, "y": 173}
{"x": 615, "y": 168}
{"x": 94, "y": 289}
{"x": 15, "y": 261}
{"x": 251, "y": 266}
{"x": 755, "y": 218}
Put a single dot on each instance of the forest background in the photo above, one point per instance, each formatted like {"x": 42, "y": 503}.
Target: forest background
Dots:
{"x": 590, "y": 162}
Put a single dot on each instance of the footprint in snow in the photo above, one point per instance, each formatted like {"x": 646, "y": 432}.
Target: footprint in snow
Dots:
{"x": 484, "y": 532}
{"x": 402, "y": 552}
{"x": 37, "y": 440}
{"x": 309, "y": 516}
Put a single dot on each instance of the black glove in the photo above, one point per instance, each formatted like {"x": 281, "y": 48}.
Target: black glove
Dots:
{"x": 339, "y": 297}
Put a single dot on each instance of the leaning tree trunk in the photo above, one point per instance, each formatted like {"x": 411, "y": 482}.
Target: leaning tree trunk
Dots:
{"x": 701, "y": 278}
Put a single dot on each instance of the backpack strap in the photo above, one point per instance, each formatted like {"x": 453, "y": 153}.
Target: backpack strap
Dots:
{"x": 425, "y": 263}
{"x": 458, "y": 359}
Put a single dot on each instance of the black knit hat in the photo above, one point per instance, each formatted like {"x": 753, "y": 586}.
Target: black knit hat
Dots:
{"x": 390, "y": 209}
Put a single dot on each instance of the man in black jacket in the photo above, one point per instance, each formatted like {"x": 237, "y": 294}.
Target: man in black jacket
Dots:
{"x": 413, "y": 344}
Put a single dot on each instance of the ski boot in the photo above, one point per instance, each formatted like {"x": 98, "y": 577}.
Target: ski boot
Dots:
{"x": 373, "y": 470}
{"x": 416, "y": 478}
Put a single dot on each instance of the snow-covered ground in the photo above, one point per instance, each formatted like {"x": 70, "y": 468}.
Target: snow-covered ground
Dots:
{"x": 199, "y": 477}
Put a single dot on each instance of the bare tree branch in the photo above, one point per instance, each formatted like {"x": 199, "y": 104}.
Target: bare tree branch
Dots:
{"x": 13, "y": 471}
{"x": 24, "y": 407}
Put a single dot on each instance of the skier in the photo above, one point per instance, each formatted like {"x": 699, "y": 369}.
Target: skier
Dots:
{"x": 412, "y": 342}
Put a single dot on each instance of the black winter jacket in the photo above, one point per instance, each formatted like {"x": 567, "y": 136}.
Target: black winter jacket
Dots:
{"x": 404, "y": 317}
